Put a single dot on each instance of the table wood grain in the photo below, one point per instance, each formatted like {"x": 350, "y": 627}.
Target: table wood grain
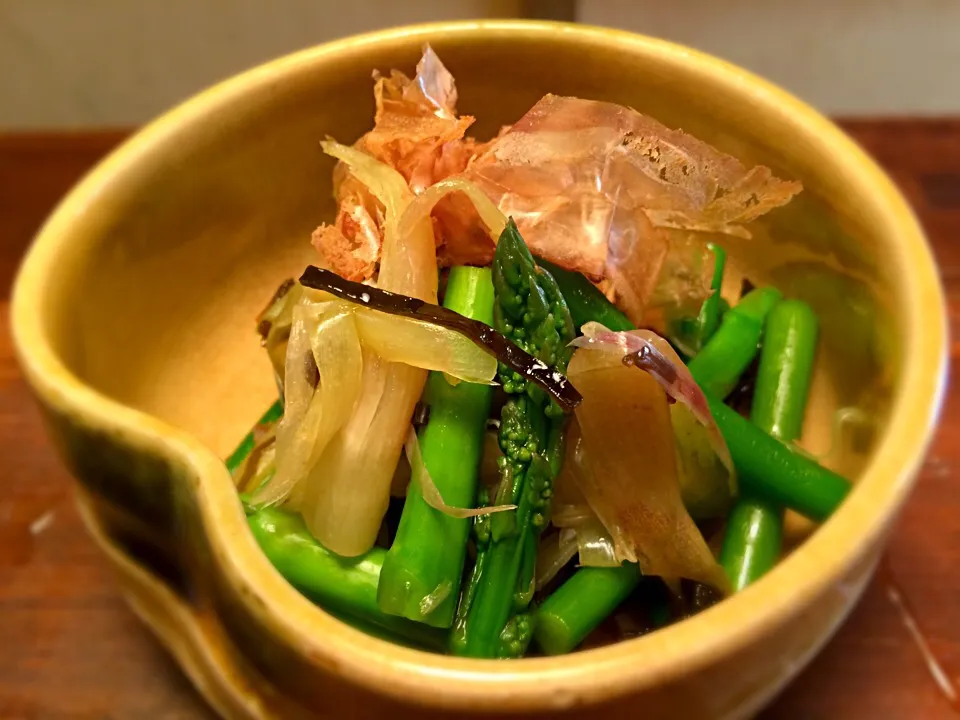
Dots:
{"x": 70, "y": 648}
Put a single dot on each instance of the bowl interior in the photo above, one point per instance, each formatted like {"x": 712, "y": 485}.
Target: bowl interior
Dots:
{"x": 182, "y": 237}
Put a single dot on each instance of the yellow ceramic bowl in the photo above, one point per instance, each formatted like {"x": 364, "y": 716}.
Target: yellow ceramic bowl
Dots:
{"x": 133, "y": 318}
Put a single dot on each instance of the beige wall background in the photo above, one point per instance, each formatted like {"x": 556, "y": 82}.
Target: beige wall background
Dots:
{"x": 94, "y": 63}
{"x": 848, "y": 57}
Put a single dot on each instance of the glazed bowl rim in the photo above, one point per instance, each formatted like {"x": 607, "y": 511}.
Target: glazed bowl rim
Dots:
{"x": 629, "y": 666}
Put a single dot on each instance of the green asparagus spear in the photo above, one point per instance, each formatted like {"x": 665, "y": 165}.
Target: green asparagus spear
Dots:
{"x": 577, "y": 607}
{"x": 345, "y": 586}
{"x": 423, "y": 569}
{"x": 770, "y": 469}
{"x": 721, "y": 362}
{"x": 492, "y": 620}
{"x": 753, "y": 537}
{"x": 786, "y": 370}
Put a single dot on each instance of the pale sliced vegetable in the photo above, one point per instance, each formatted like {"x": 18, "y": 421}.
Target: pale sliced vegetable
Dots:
{"x": 627, "y": 469}
{"x": 577, "y": 520}
{"x": 385, "y": 183}
{"x": 653, "y": 354}
{"x": 554, "y": 552}
{"x": 259, "y": 465}
{"x": 299, "y": 389}
{"x": 424, "y": 345}
{"x": 265, "y": 469}
{"x": 313, "y": 416}
{"x": 707, "y": 486}
{"x": 306, "y": 428}
{"x": 349, "y": 486}
{"x": 489, "y": 213}
{"x": 352, "y": 479}
{"x": 431, "y": 493}
{"x": 275, "y": 322}
{"x": 506, "y": 352}
{"x": 708, "y": 481}
{"x": 408, "y": 262}
{"x": 595, "y": 546}
{"x": 571, "y": 516}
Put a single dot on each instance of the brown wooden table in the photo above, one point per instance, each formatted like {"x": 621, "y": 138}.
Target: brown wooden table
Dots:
{"x": 69, "y": 647}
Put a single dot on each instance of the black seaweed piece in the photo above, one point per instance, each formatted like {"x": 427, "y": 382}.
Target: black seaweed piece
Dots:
{"x": 421, "y": 415}
{"x": 698, "y": 596}
{"x": 263, "y": 325}
{"x": 741, "y": 397}
{"x": 653, "y": 363}
{"x": 443, "y": 276}
{"x": 391, "y": 521}
{"x": 310, "y": 370}
{"x": 555, "y": 384}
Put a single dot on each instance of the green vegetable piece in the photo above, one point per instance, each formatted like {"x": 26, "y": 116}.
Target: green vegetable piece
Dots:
{"x": 272, "y": 415}
{"x": 753, "y": 537}
{"x": 345, "y": 586}
{"x": 585, "y": 300}
{"x": 752, "y": 541}
{"x": 492, "y": 619}
{"x": 692, "y": 333}
{"x": 768, "y": 468}
{"x": 710, "y": 312}
{"x": 423, "y": 569}
{"x": 785, "y": 371}
{"x": 723, "y": 359}
{"x": 578, "y": 606}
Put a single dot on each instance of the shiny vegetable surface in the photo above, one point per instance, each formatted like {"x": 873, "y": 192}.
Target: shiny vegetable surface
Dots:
{"x": 522, "y": 364}
{"x": 786, "y": 370}
{"x": 753, "y": 537}
{"x": 723, "y": 359}
{"x": 422, "y": 571}
{"x": 575, "y": 609}
{"x": 625, "y": 462}
{"x": 349, "y": 472}
{"x": 770, "y": 469}
{"x": 366, "y": 358}
{"x": 591, "y": 594}
{"x": 345, "y": 586}
{"x": 766, "y": 468}
{"x": 492, "y": 620}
